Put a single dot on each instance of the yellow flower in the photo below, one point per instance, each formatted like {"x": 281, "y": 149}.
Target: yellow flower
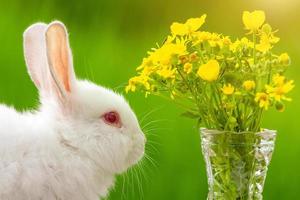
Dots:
{"x": 267, "y": 39}
{"x": 267, "y": 30}
{"x": 179, "y": 29}
{"x": 200, "y": 37}
{"x": 234, "y": 46}
{"x": 164, "y": 54}
{"x": 226, "y": 41}
{"x": 148, "y": 70}
{"x": 166, "y": 73}
{"x": 241, "y": 44}
{"x": 287, "y": 87}
{"x": 278, "y": 79}
{"x": 190, "y": 26}
{"x": 209, "y": 71}
{"x": 253, "y": 20}
{"x": 195, "y": 23}
{"x": 263, "y": 100}
{"x": 187, "y": 68}
{"x": 228, "y": 89}
{"x": 279, "y": 91}
{"x": 146, "y": 62}
{"x": 284, "y": 59}
{"x": 134, "y": 81}
{"x": 249, "y": 85}
{"x": 170, "y": 39}
{"x": 215, "y": 40}
{"x": 179, "y": 47}
{"x": 130, "y": 87}
{"x": 264, "y": 44}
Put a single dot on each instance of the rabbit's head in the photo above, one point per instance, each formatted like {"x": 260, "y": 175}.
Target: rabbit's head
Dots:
{"x": 93, "y": 121}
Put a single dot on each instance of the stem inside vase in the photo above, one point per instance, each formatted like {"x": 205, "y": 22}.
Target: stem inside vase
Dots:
{"x": 236, "y": 163}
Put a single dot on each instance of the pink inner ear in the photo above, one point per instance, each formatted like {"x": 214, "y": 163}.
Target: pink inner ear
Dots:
{"x": 61, "y": 62}
{"x": 58, "y": 54}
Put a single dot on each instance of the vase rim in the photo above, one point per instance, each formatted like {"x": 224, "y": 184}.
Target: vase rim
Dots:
{"x": 216, "y": 131}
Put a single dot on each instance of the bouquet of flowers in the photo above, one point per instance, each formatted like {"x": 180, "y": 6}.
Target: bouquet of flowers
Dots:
{"x": 226, "y": 85}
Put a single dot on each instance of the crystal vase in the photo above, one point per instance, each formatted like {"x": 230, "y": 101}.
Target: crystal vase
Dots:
{"x": 237, "y": 163}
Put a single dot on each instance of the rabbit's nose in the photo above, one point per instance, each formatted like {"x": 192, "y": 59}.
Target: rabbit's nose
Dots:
{"x": 143, "y": 137}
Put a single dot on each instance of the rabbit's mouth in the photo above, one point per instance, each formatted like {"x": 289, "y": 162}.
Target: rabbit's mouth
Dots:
{"x": 136, "y": 153}
{"x": 136, "y": 156}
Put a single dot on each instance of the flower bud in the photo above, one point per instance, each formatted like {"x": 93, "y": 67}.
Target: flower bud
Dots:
{"x": 279, "y": 106}
{"x": 194, "y": 57}
{"x": 183, "y": 59}
{"x": 284, "y": 59}
{"x": 267, "y": 28}
{"x": 232, "y": 120}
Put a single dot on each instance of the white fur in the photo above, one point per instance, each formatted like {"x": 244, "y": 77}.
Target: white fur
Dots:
{"x": 64, "y": 150}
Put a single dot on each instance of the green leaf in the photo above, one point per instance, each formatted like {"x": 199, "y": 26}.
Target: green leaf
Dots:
{"x": 191, "y": 115}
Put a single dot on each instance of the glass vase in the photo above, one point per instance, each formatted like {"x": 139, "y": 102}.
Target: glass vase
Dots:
{"x": 237, "y": 163}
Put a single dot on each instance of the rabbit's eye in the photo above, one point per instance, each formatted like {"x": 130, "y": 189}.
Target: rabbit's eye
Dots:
{"x": 112, "y": 118}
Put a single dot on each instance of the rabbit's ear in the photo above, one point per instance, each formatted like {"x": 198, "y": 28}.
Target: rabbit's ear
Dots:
{"x": 35, "y": 54}
{"x": 59, "y": 58}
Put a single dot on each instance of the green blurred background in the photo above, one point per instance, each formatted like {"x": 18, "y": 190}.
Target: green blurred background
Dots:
{"x": 110, "y": 38}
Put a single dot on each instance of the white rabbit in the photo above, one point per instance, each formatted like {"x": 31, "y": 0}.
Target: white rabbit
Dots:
{"x": 81, "y": 136}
